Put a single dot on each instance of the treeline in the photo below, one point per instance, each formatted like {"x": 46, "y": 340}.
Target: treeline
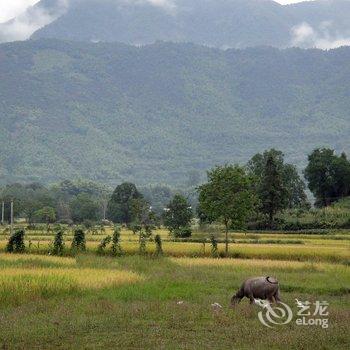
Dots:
{"x": 239, "y": 197}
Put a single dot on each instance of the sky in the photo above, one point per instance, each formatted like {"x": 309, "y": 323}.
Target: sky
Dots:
{"x": 12, "y": 8}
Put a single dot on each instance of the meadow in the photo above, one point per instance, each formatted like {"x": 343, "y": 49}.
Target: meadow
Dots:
{"x": 133, "y": 301}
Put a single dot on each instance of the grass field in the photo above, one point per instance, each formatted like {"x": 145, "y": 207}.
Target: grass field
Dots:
{"x": 132, "y": 302}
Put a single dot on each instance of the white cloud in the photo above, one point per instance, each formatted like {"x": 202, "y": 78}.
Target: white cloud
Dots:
{"x": 304, "y": 35}
{"x": 24, "y": 25}
{"x": 12, "y": 8}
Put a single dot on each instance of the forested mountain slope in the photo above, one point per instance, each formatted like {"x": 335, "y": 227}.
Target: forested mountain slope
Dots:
{"x": 112, "y": 112}
{"x": 218, "y": 23}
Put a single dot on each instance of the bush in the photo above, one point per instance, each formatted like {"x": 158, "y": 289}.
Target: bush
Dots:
{"x": 182, "y": 232}
{"x": 142, "y": 243}
{"x": 58, "y": 243}
{"x": 214, "y": 246}
{"x": 103, "y": 244}
{"x": 116, "y": 249}
{"x": 78, "y": 242}
{"x": 158, "y": 242}
{"x": 135, "y": 228}
{"x": 16, "y": 242}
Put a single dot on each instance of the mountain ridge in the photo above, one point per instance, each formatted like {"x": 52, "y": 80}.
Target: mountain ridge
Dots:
{"x": 113, "y": 112}
{"x": 216, "y": 23}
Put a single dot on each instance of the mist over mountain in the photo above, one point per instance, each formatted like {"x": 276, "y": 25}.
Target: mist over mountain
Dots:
{"x": 217, "y": 23}
{"x": 113, "y": 112}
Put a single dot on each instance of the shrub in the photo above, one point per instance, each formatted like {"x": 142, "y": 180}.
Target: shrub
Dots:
{"x": 142, "y": 243}
{"x": 214, "y": 246}
{"x": 182, "y": 232}
{"x": 103, "y": 244}
{"x": 116, "y": 249}
{"x": 58, "y": 243}
{"x": 16, "y": 242}
{"x": 135, "y": 228}
{"x": 78, "y": 242}
{"x": 158, "y": 242}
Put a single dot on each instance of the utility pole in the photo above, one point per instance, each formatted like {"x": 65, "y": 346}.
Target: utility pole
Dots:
{"x": 2, "y": 213}
{"x": 11, "y": 216}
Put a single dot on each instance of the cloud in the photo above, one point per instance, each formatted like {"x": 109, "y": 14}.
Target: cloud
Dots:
{"x": 12, "y": 8}
{"x": 24, "y": 25}
{"x": 167, "y": 5}
{"x": 304, "y": 35}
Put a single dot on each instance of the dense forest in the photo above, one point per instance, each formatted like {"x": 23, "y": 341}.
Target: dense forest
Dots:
{"x": 163, "y": 113}
{"x": 218, "y": 23}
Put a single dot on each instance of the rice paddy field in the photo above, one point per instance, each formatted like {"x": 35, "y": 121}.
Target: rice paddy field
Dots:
{"x": 176, "y": 301}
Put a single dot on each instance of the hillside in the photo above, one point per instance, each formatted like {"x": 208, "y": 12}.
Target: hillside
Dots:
{"x": 217, "y": 23}
{"x": 112, "y": 112}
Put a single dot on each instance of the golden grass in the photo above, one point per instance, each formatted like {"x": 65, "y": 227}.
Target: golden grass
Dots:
{"x": 41, "y": 258}
{"x": 82, "y": 278}
{"x": 257, "y": 263}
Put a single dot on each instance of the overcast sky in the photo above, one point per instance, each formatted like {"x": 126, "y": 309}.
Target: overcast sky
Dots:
{"x": 11, "y": 8}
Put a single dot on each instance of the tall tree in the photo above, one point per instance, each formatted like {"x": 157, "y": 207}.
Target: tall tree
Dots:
{"x": 122, "y": 203}
{"x": 272, "y": 192}
{"x": 293, "y": 184}
{"x": 328, "y": 176}
{"x": 227, "y": 197}
{"x": 178, "y": 213}
{"x": 83, "y": 207}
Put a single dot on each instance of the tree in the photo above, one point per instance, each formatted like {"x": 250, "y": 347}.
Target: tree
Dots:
{"x": 83, "y": 208}
{"x": 46, "y": 214}
{"x": 16, "y": 242}
{"x": 178, "y": 213}
{"x": 293, "y": 184}
{"x": 328, "y": 176}
{"x": 273, "y": 193}
{"x": 78, "y": 242}
{"x": 120, "y": 206}
{"x": 227, "y": 197}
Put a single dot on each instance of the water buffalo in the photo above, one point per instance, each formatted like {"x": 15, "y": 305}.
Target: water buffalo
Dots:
{"x": 258, "y": 288}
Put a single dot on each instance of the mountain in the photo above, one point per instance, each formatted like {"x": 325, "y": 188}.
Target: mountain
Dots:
{"x": 216, "y": 23}
{"x": 113, "y": 112}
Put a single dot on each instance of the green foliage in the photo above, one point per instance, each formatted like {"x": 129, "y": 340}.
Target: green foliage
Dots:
{"x": 124, "y": 205}
{"x": 294, "y": 188}
{"x": 142, "y": 243}
{"x": 221, "y": 106}
{"x": 46, "y": 214}
{"x": 78, "y": 242}
{"x": 116, "y": 248}
{"x": 328, "y": 176}
{"x": 214, "y": 23}
{"x": 227, "y": 197}
{"x": 182, "y": 232}
{"x": 103, "y": 244}
{"x": 273, "y": 193}
{"x": 16, "y": 242}
{"x": 159, "y": 248}
{"x": 58, "y": 243}
{"x": 178, "y": 214}
{"x": 214, "y": 246}
{"x": 84, "y": 208}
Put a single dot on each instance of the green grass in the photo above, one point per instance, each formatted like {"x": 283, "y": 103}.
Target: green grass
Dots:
{"x": 142, "y": 313}
{"x": 131, "y": 302}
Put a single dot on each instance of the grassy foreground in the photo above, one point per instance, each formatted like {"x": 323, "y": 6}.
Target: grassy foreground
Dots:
{"x": 131, "y": 302}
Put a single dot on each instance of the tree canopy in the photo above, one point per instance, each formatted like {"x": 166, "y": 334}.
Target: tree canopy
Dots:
{"x": 227, "y": 197}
